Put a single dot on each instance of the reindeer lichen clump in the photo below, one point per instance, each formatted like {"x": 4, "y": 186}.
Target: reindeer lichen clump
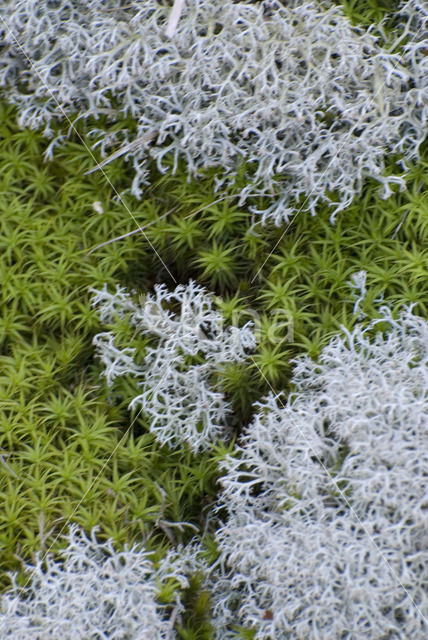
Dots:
{"x": 308, "y": 102}
{"x": 327, "y": 497}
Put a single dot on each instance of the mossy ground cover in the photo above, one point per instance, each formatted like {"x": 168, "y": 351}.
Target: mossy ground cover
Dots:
{"x": 70, "y": 451}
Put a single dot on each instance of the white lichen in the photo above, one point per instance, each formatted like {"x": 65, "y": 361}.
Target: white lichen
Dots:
{"x": 190, "y": 344}
{"x": 309, "y": 102}
{"x": 326, "y": 498}
{"x": 97, "y": 592}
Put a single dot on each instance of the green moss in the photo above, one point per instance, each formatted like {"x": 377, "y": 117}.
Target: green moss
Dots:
{"x": 72, "y": 452}
{"x": 367, "y": 12}
{"x": 69, "y": 451}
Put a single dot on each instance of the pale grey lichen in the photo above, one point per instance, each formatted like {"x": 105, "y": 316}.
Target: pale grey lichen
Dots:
{"x": 97, "y": 592}
{"x": 189, "y": 343}
{"x": 309, "y": 102}
{"x": 327, "y": 498}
